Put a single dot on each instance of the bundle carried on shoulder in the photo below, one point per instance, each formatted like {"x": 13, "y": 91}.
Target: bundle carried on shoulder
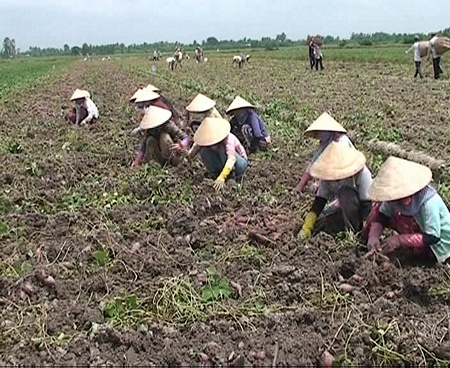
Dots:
{"x": 318, "y": 39}
{"x": 423, "y": 48}
{"x": 442, "y": 45}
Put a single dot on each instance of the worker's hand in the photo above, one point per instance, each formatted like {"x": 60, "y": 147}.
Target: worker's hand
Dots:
{"x": 219, "y": 184}
{"x": 178, "y": 147}
{"x": 391, "y": 244}
{"x": 305, "y": 233}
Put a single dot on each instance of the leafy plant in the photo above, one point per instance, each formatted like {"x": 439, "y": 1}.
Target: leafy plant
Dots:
{"x": 217, "y": 288}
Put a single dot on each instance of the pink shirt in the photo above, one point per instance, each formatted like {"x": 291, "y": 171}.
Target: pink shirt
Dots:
{"x": 233, "y": 146}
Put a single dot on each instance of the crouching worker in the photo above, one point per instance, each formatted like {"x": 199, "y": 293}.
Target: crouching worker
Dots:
{"x": 85, "y": 111}
{"x": 220, "y": 150}
{"x": 248, "y": 126}
{"x": 201, "y": 107}
{"x": 163, "y": 140}
{"x": 147, "y": 97}
{"x": 411, "y": 207}
{"x": 343, "y": 175}
{"x": 327, "y": 130}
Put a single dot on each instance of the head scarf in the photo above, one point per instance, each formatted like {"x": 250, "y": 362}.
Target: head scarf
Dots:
{"x": 418, "y": 199}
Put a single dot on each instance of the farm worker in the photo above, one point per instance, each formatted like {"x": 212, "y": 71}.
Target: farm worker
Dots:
{"x": 343, "y": 175}
{"x": 220, "y": 150}
{"x": 410, "y": 206}
{"x": 163, "y": 140}
{"x": 417, "y": 56}
{"x": 435, "y": 56}
{"x": 202, "y": 107}
{"x": 327, "y": 130}
{"x": 312, "y": 58}
{"x": 146, "y": 98}
{"x": 318, "y": 55}
{"x": 247, "y": 125}
{"x": 85, "y": 110}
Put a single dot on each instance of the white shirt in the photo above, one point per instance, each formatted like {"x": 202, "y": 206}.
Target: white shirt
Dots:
{"x": 91, "y": 109}
{"x": 417, "y": 56}
{"x": 317, "y": 51}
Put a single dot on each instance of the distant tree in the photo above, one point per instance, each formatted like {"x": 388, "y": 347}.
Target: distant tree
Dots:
{"x": 7, "y": 47}
{"x": 75, "y": 50}
{"x": 66, "y": 49}
{"x": 281, "y": 37}
{"x": 85, "y": 49}
{"x": 212, "y": 41}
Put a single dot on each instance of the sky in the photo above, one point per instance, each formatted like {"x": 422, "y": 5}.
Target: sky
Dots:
{"x": 53, "y": 23}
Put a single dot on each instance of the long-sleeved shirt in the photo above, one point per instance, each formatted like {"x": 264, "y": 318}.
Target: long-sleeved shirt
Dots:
{"x": 361, "y": 182}
{"x": 259, "y": 129}
{"x": 172, "y": 129}
{"x": 433, "y": 219}
{"x": 91, "y": 108}
{"x": 233, "y": 147}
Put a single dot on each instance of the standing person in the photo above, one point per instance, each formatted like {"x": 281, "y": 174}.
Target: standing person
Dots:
{"x": 318, "y": 54}
{"x": 435, "y": 56}
{"x": 312, "y": 58}
{"x": 85, "y": 110}
{"x": 417, "y": 57}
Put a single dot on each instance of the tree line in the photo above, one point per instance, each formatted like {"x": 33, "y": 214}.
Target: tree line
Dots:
{"x": 212, "y": 43}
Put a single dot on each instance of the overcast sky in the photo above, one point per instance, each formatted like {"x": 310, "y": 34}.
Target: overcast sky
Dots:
{"x": 52, "y": 23}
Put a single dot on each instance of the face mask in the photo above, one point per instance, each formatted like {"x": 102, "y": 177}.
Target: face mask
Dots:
{"x": 326, "y": 136}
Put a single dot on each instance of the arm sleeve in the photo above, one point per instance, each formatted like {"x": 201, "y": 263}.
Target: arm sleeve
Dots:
{"x": 318, "y": 205}
{"x": 175, "y": 132}
{"x": 432, "y": 223}
{"x": 255, "y": 124}
{"x": 364, "y": 183}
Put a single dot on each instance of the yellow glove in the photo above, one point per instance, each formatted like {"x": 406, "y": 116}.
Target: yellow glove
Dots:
{"x": 220, "y": 181}
{"x": 308, "y": 225}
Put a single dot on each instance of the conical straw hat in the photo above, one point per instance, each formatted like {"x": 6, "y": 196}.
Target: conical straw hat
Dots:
{"x": 146, "y": 95}
{"x": 154, "y": 117}
{"x": 212, "y": 131}
{"x": 136, "y": 94}
{"x": 399, "y": 178}
{"x": 200, "y": 103}
{"x": 338, "y": 161}
{"x": 153, "y": 88}
{"x": 80, "y": 93}
{"x": 325, "y": 123}
{"x": 238, "y": 103}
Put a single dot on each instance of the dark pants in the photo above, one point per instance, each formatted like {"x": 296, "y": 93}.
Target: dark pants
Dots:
{"x": 418, "y": 69}
{"x": 319, "y": 61}
{"x": 253, "y": 144}
{"x": 437, "y": 67}
{"x": 350, "y": 214}
{"x": 71, "y": 117}
{"x": 312, "y": 61}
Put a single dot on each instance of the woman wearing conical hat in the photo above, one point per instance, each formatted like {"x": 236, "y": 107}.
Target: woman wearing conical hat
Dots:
{"x": 248, "y": 126}
{"x": 163, "y": 140}
{"x": 146, "y": 97}
{"x": 85, "y": 110}
{"x": 410, "y": 206}
{"x": 343, "y": 174}
{"x": 327, "y": 130}
{"x": 201, "y": 107}
{"x": 220, "y": 150}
